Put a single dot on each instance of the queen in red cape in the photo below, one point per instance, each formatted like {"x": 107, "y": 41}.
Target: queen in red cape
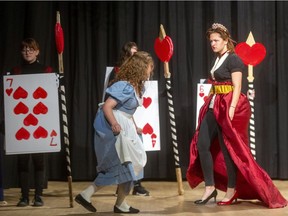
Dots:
{"x": 219, "y": 151}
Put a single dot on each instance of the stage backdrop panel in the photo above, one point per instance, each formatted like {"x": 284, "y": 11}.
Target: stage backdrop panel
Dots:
{"x": 31, "y": 109}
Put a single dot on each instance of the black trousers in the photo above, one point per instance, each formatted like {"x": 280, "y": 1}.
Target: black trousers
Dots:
{"x": 210, "y": 129}
{"x": 24, "y": 175}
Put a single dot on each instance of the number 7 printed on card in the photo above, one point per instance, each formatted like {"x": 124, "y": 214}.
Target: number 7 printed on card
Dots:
{"x": 31, "y": 108}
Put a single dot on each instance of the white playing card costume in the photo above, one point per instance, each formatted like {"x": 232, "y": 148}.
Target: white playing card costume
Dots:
{"x": 202, "y": 92}
{"x": 147, "y": 115}
{"x": 31, "y": 109}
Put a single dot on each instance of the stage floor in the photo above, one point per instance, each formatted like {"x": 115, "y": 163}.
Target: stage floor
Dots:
{"x": 163, "y": 200}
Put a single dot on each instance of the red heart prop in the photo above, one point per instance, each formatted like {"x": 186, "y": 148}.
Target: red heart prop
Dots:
{"x": 9, "y": 91}
{"x": 22, "y": 133}
{"x": 164, "y": 48}
{"x": 20, "y": 108}
{"x": 39, "y": 93}
{"x": 250, "y": 55}
{"x": 30, "y": 120}
{"x": 146, "y": 101}
{"x": 53, "y": 133}
{"x": 40, "y": 108}
{"x": 40, "y": 132}
{"x": 20, "y": 93}
{"x": 147, "y": 129}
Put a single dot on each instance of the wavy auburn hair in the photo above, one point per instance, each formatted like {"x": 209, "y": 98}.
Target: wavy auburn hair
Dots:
{"x": 134, "y": 70}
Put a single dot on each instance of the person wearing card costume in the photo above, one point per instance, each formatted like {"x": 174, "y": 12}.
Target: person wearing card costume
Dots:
{"x": 219, "y": 151}
{"x": 30, "y": 49}
{"x": 119, "y": 150}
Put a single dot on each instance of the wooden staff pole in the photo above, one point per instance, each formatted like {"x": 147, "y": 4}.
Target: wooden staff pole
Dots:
{"x": 250, "y": 41}
{"x": 167, "y": 75}
{"x": 65, "y": 121}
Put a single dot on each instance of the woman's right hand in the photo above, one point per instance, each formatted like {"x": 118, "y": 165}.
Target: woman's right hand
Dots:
{"x": 116, "y": 128}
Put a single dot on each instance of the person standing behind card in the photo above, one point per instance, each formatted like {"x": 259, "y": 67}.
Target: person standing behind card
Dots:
{"x": 119, "y": 150}
{"x": 30, "y": 50}
{"x": 128, "y": 50}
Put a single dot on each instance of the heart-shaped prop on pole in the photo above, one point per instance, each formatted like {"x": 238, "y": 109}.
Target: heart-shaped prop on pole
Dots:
{"x": 251, "y": 55}
{"x": 164, "y": 48}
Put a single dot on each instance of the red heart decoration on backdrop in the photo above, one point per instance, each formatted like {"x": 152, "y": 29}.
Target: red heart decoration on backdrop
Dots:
{"x": 40, "y": 132}
{"x": 20, "y": 93}
{"x": 9, "y": 91}
{"x": 40, "y": 108}
{"x": 30, "y": 120}
{"x": 22, "y": 133}
{"x": 251, "y": 55}
{"x": 147, "y": 129}
{"x": 39, "y": 93}
{"x": 147, "y": 101}
{"x": 20, "y": 108}
{"x": 164, "y": 48}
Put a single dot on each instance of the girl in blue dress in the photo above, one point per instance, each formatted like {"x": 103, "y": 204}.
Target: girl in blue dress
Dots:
{"x": 119, "y": 150}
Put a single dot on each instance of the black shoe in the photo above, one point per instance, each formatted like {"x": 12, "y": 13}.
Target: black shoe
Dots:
{"x": 24, "y": 201}
{"x": 79, "y": 199}
{"x": 131, "y": 210}
{"x": 38, "y": 201}
{"x": 140, "y": 190}
{"x": 203, "y": 202}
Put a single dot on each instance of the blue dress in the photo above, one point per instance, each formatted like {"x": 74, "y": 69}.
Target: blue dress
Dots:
{"x": 109, "y": 168}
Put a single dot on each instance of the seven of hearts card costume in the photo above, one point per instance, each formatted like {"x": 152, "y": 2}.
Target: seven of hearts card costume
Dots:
{"x": 38, "y": 158}
{"x": 252, "y": 181}
{"x": 120, "y": 158}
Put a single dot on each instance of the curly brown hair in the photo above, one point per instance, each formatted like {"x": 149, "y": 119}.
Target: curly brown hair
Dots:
{"x": 134, "y": 70}
{"x": 224, "y": 34}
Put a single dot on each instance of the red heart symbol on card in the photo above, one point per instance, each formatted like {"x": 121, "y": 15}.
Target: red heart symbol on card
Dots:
{"x": 147, "y": 129}
{"x": 53, "y": 133}
{"x": 164, "y": 48}
{"x": 22, "y": 133}
{"x": 40, "y": 108}
{"x": 39, "y": 93}
{"x": 146, "y": 101}
{"x": 250, "y": 55}
{"x": 20, "y": 93}
{"x": 153, "y": 143}
{"x": 40, "y": 132}
{"x": 30, "y": 120}
{"x": 9, "y": 91}
{"x": 201, "y": 94}
{"x": 153, "y": 136}
{"x": 21, "y": 108}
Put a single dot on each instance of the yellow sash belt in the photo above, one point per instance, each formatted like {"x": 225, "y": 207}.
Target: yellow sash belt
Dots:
{"x": 221, "y": 89}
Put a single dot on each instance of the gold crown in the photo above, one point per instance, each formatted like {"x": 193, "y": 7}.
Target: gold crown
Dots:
{"x": 218, "y": 25}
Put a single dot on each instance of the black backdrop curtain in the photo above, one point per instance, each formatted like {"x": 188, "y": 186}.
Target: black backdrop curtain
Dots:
{"x": 94, "y": 34}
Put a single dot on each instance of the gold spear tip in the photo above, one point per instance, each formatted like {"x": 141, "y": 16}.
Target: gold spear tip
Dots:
{"x": 162, "y": 33}
{"x": 250, "y": 40}
{"x": 58, "y": 17}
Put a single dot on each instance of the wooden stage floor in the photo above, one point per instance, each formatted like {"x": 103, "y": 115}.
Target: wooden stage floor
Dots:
{"x": 163, "y": 200}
